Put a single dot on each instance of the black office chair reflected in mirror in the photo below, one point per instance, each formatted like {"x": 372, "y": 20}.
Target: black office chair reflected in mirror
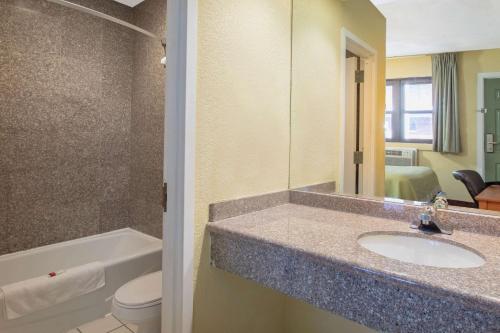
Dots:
{"x": 473, "y": 182}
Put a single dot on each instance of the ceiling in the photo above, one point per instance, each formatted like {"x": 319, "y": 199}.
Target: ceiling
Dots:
{"x": 435, "y": 26}
{"x": 130, "y": 3}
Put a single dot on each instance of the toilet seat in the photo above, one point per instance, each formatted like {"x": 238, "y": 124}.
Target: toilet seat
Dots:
{"x": 143, "y": 292}
{"x": 139, "y": 299}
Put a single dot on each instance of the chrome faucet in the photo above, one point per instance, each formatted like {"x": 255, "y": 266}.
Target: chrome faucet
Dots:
{"x": 427, "y": 221}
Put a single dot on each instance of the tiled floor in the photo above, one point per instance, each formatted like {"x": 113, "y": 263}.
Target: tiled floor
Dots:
{"x": 108, "y": 324}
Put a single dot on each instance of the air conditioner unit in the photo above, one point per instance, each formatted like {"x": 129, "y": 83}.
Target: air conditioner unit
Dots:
{"x": 401, "y": 156}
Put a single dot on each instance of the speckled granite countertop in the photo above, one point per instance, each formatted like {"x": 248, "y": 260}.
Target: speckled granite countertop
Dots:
{"x": 316, "y": 249}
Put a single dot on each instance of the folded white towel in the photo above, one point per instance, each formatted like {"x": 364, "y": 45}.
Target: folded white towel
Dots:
{"x": 24, "y": 297}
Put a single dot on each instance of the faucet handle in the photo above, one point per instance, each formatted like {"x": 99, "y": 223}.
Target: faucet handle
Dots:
{"x": 425, "y": 218}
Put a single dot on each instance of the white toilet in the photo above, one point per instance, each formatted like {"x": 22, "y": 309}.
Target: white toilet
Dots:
{"x": 139, "y": 302}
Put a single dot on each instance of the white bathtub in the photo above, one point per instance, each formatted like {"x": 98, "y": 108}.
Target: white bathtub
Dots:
{"x": 126, "y": 254}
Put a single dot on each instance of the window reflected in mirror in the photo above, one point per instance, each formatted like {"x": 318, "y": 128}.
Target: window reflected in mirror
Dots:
{"x": 409, "y": 110}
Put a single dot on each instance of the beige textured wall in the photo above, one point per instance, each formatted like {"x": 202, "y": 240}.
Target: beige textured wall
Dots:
{"x": 315, "y": 115}
{"x": 469, "y": 65}
{"x": 242, "y": 144}
{"x": 316, "y": 84}
{"x": 315, "y": 92}
{"x": 243, "y": 138}
{"x": 305, "y": 318}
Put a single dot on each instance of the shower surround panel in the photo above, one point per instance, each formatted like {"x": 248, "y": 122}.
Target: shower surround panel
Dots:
{"x": 69, "y": 124}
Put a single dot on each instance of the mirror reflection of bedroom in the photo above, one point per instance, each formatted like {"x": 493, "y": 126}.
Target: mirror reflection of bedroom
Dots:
{"x": 442, "y": 103}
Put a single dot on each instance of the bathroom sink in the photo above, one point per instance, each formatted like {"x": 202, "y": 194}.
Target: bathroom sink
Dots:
{"x": 420, "y": 251}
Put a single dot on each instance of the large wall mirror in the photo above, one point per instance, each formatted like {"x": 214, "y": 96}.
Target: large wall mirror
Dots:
{"x": 364, "y": 119}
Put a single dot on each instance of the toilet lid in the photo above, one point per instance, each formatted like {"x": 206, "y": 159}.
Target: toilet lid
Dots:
{"x": 141, "y": 292}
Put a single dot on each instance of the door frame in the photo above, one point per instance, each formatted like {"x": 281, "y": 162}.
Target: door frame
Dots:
{"x": 368, "y": 54}
{"x": 481, "y": 155}
{"x": 179, "y": 166}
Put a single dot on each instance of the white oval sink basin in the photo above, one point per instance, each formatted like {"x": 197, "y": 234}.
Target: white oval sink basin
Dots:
{"x": 420, "y": 251}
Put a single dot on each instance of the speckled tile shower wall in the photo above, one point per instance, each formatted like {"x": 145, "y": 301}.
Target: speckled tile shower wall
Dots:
{"x": 66, "y": 119}
{"x": 146, "y": 169}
